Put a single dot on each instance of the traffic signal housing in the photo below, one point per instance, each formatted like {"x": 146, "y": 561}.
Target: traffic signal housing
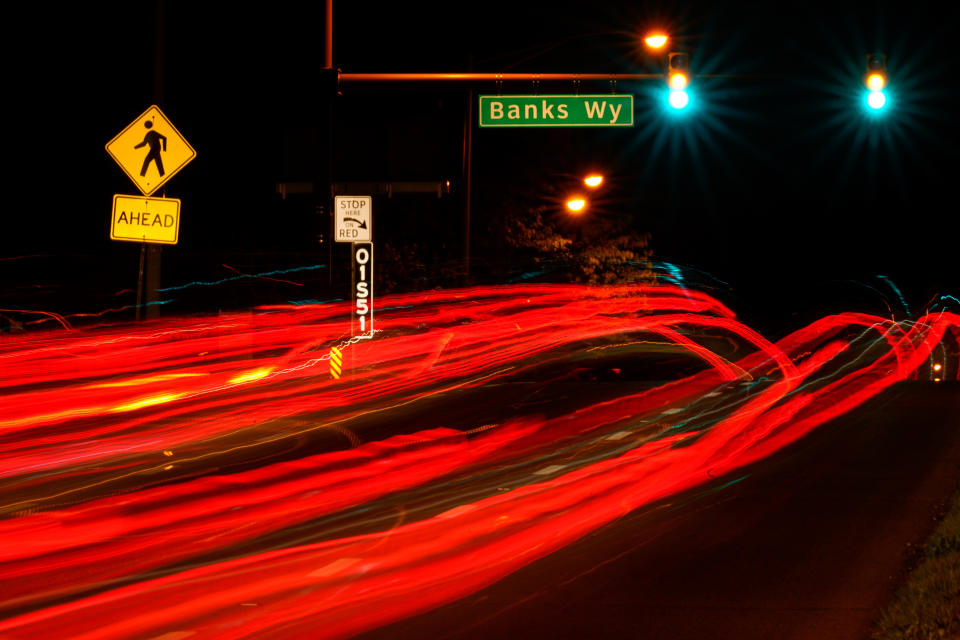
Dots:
{"x": 875, "y": 80}
{"x": 678, "y": 70}
{"x": 678, "y": 79}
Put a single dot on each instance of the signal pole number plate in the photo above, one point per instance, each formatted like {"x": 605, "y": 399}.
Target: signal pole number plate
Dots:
{"x": 362, "y": 289}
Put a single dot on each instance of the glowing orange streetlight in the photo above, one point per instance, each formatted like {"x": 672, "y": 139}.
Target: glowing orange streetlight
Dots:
{"x": 576, "y": 204}
{"x": 593, "y": 180}
{"x": 655, "y": 40}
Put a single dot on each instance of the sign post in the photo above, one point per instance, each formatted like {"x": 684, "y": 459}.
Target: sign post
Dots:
{"x": 353, "y": 217}
{"x": 150, "y": 151}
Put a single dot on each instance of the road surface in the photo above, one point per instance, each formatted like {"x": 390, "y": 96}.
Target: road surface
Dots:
{"x": 213, "y": 477}
{"x": 806, "y": 546}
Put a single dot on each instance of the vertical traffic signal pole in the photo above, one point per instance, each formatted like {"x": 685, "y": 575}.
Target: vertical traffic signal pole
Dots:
{"x": 323, "y": 186}
{"x": 467, "y": 177}
{"x": 328, "y": 41}
{"x": 467, "y": 172}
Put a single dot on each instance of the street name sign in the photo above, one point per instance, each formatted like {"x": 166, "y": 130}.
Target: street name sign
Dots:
{"x": 611, "y": 110}
{"x": 354, "y": 216}
{"x": 142, "y": 219}
{"x": 150, "y": 150}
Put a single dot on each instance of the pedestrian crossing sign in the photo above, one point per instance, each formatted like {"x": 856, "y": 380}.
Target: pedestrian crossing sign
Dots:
{"x": 150, "y": 150}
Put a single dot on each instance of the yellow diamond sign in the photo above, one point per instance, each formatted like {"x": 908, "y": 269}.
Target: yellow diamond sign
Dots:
{"x": 141, "y": 219}
{"x": 150, "y": 150}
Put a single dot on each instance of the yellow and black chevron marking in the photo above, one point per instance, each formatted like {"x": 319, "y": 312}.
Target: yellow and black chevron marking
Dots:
{"x": 336, "y": 362}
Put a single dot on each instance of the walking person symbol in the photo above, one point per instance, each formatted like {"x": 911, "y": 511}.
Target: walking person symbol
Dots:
{"x": 155, "y": 141}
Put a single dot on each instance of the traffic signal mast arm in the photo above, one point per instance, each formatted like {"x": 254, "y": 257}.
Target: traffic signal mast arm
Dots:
{"x": 492, "y": 77}
{"x": 510, "y": 77}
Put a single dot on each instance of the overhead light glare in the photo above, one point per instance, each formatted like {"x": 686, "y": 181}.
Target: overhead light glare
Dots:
{"x": 876, "y": 100}
{"x": 679, "y": 98}
{"x": 655, "y": 40}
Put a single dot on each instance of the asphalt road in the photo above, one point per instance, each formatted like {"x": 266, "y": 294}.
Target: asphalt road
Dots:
{"x": 806, "y": 544}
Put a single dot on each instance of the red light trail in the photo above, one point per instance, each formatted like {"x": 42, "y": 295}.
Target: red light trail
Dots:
{"x": 208, "y": 477}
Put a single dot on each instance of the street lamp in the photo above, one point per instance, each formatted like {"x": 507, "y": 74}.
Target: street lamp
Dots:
{"x": 593, "y": 180}
{"x": 655, "y": 40}
{"x": 576, "y": 204}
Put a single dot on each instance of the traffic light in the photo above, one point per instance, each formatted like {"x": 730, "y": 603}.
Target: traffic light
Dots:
{"x": 875, "y": 80}
{"x": 678, "y": 79}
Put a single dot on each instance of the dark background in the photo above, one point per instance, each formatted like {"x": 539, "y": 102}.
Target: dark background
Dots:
{"x": 778, "y": 190}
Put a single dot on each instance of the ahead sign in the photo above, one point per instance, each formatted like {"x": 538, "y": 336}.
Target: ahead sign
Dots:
{"x": 354, "y": 218}
{"x": 141, "y": 219}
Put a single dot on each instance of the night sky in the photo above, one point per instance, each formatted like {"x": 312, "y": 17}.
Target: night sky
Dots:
{"x": 778, "y": 186}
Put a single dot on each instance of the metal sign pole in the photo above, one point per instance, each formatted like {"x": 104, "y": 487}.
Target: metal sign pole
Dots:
{"x": 353, "y": 289}
{"x": 155, "y": 252}
{"x": 143, "y": 253}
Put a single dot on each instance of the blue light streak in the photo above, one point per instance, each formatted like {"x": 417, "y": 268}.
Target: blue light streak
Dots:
{"x": 896, "y": 290}
{"x": 244, "y": 277}
{"x": 945, "y": 297}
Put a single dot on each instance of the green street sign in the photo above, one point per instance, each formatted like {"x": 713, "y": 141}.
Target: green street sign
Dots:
{"x": 610, "y": 110}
